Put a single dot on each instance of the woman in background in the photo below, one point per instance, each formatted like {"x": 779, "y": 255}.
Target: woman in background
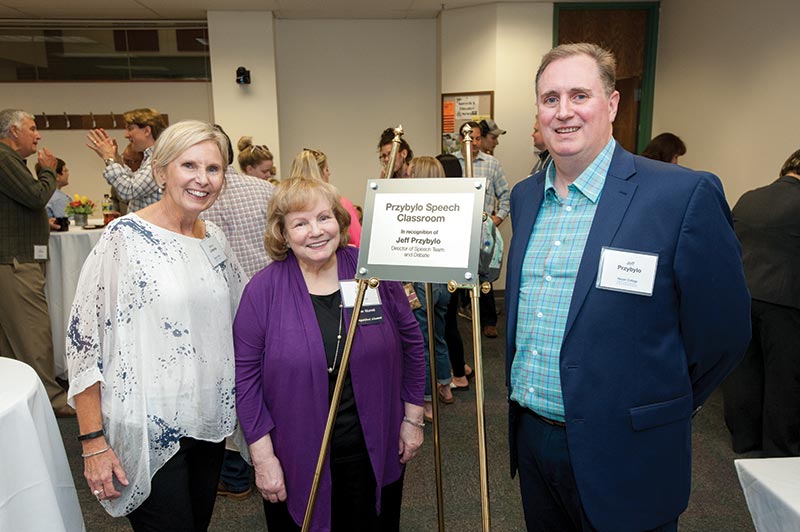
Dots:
{"x": 255, "y": 159}
{"x": 430, "y": 167}
{"x": 665, "y": 147}
{"x": 289, "y": 335}
{"x": 314, "y": 164}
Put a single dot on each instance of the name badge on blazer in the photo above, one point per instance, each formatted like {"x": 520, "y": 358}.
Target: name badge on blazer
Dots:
{"x": 371, "y": 308}
{"x": 628, "y": 271}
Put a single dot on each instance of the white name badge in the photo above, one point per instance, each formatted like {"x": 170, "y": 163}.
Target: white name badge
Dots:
{"x": 627, "y": 271}
{"x": 40, "y": 252}
{"x": 213, "y": 250}
{"x": 371, "y": 310}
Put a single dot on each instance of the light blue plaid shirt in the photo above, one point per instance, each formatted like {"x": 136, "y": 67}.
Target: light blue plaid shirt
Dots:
{"x": 548, "y": 277}
{"x": 498, "y": 198}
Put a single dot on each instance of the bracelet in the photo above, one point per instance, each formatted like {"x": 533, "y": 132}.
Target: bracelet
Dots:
{"x": 91, "y": 435}
{"x": 101, "y": 451}
{"x": 418, "y": 424}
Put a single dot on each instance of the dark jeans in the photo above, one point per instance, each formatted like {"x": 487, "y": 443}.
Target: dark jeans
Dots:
{"x": 762, "y": 395}
{"x": 235, "y": 472}
{"x": 183, "y": 491}
{"x": 441, "y": 298}
{"x": 353, "y": 502}
{"x": 550, "y": 499}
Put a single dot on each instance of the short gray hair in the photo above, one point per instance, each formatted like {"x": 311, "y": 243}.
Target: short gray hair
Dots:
{"x": 9, "y": 118}
{"x": 605, "y": 61}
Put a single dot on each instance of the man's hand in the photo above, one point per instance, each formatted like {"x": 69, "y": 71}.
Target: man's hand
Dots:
{"x": 103, "y": 145}
{"x": 47, "y": 159}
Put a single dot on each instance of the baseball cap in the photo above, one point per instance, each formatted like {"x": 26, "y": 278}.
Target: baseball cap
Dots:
{"x": 490, "y": 126}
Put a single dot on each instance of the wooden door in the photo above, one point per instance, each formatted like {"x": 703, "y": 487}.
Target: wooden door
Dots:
{"x": 624, "y": 32}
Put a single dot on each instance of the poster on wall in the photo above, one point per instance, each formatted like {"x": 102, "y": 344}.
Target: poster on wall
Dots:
{"x": 460, "y": 107}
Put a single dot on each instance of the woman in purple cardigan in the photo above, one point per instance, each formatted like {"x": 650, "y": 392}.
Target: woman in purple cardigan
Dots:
{"x": 289, "y": 335}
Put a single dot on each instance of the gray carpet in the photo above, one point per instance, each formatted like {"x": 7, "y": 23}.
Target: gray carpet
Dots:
{"x": 717, "y": 503}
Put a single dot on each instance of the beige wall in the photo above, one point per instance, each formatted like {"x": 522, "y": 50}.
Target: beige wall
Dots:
{"x": 341, "y": 82}
{"x": 180, "y": 100}
{"x": 498, "y": 47}
{"x": 726, "y": 81}
{"x": 245, "y": 38}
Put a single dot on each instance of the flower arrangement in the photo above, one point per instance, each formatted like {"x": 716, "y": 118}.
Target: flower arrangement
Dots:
{"x": 79, "y": 205}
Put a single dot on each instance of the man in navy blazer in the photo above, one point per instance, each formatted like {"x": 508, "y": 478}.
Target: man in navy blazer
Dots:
{"x": 627, "y": 306}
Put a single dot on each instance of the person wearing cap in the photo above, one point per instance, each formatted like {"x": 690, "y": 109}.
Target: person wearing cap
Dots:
{"x": 489, "y": 135}
{"x": 496, "y": 203}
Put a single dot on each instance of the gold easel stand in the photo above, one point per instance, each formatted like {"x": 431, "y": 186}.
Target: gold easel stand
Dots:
{"x": 337, "y": 396}
{"x": 437, "y": 453}
{"x": 452, "y": 286}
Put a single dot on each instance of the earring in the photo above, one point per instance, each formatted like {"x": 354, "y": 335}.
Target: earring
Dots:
{"x": 286, "y": 244}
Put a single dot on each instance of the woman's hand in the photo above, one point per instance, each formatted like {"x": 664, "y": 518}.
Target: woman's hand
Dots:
{"x": 269, "y": 480}
{"x": 100, "y": 470}
{"x": 410, "y": 441}
{"x": 411, "y": 436}
{"x": 269, "y": 473}
{"x": 102, "y": 144}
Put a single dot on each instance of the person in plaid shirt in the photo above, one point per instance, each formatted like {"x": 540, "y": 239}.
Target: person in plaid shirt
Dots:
{"x": 142, "y": 128}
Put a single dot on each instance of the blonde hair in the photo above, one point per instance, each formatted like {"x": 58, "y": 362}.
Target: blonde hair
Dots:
{"x": 309, "y": 163}
{"x": 426, "y": 166}
{"x": 179, "y": 137}
{"x": 295, "y": 194}
{"x": 251, "y": 154}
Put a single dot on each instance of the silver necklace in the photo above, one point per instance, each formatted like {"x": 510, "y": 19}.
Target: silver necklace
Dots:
{"x": 338, "y": 341}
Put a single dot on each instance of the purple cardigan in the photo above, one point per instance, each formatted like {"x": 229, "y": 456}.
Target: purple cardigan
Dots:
{"x": 282, "y": 377}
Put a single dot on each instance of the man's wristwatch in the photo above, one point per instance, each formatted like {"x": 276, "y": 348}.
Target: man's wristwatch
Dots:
{"x": 110, "y": 161}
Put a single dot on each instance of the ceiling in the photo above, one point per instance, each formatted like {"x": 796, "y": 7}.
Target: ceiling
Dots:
{"x": 40, "y": 10}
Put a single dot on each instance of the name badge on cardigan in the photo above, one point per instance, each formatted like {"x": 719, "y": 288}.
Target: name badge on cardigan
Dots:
{"x": 371, "y": 309}
{"x": 213, "y": 250}
{"x": 628, "y": 271}
{"x": 40, "y": 252}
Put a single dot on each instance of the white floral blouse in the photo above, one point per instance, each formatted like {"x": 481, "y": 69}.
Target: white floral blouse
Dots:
{"x": 151, "y": 321}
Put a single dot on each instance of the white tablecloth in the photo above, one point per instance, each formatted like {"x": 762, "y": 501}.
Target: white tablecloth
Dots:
{"x": 36, "y": 489}
{"x": 68, "y": 251}
{"x": 772, "y": 489}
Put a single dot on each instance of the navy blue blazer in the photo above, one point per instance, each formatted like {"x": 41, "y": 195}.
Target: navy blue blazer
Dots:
{"x": 634, "y": 368}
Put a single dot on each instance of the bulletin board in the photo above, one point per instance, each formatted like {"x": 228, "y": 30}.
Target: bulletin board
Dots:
{"x": 460, "y": 107}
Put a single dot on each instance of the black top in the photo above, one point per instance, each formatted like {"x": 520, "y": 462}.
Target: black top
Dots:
{"x": 347, "y": 440}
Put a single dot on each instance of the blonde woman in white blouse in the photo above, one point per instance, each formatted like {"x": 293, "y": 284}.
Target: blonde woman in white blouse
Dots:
{"x": 150, "y": 348}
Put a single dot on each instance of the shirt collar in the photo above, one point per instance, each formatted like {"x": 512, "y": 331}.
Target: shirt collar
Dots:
{"x": 590, "y": 182}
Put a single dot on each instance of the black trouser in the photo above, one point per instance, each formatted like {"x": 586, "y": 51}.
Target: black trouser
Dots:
{"x": 455, "y": 347}
{"x": 488, "y": 308}
{"x": 352, "y": 504}
{"x": 762, "y": 395}
{"x": 183, "y": 491}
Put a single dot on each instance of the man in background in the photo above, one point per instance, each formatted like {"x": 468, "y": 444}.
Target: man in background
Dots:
{"x": 495, "y": 204}
{"x": 542, "y": 153}
{"x": 25, "y": 333}
{"x": 490, "y": 134}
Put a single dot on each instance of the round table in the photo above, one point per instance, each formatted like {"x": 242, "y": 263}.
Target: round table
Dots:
{"x": 36, "y": 488}
{"x": 68, "y": 252}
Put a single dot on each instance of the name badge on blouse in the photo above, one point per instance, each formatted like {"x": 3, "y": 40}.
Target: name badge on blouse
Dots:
{"x": 40, "y": 252}
{"x": 371, "y": 308}
{"x": 213, "y": 250}
{"x": 628, "y": 271}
